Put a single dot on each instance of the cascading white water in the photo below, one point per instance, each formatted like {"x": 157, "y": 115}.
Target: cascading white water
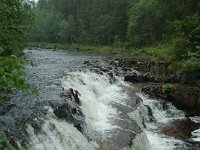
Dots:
{"x": 160, "y": 115}
{"x": 97, "y": 93}
{"x": 196, "y": 133}
{"x": 57, "y": 134}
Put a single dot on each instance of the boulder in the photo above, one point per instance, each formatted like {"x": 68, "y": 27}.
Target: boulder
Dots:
{"x": 186, "y": 97}
{"x": 70, "y": 113}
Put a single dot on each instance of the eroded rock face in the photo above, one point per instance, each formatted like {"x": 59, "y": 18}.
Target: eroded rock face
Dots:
{"x": 71, "y": 114}
{"x": 184, "y": 97}
{"x": 69, "y": 110}
{"x": 149, "y": 71}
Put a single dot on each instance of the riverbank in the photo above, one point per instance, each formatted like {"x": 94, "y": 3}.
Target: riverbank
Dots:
{"x": 161, "y": 52}
{"x": 117, "y": 121}
{"x": 79, "y": 47}
{"x": 156, "y": 52}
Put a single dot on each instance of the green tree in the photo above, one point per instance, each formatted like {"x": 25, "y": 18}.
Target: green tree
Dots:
{"x": 16, "y": 15}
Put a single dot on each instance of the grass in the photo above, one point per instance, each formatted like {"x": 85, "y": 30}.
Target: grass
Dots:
{"x": 159, "y": 52}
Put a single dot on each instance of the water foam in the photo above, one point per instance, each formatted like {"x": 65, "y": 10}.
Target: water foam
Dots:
{"x": 57, "y": 134}
{"x": 97, "y": 95}
{"x": 196, "y": 133}
{"x": 161, "y": 115}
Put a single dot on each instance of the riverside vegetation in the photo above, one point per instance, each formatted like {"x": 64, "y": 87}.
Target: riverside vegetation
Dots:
{"x": 166, "y": 30}
{"x": 16, "y": 15}
{"x": 159, "y": 29}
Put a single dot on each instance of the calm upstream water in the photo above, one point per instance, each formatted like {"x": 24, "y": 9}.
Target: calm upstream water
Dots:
{"x": 116, "y": 115}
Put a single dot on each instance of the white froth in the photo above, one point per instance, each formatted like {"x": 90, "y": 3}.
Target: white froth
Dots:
{"x": 97, "y": 95}
{"x": 161, "y": 142}
{"x": 196, "y": 133}
{"x": 57, "y": 135}
{"x": 161, "y": 115}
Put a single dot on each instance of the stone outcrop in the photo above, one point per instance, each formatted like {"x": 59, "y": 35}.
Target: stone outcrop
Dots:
{"x": 149, "y": 71}
{"x": 70, "y": 110}
{"x": 72, "y": 114}
{"x": 182, "y": 96}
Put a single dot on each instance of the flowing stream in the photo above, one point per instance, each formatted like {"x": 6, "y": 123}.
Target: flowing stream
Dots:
{"x": 116, "y": 115}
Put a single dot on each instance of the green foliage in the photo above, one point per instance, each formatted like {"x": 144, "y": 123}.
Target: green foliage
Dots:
{"x": 191, "y": 67}
{"x": 166, "y": 30}
{"x": 4, "y": 143}
{"x": 192, "y": 63}
{"x": 85, "y": 21}
{"x": 12, "y": 72}
{"x": 166, "y": 88}
{"x": 15, "y": 18}
{"x": 188, "y": 31}
{"x": 161, "y": 51}
{"x": 151, "y": 21}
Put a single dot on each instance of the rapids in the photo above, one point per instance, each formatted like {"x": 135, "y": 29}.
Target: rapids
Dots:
{"x": 116, "y": 115}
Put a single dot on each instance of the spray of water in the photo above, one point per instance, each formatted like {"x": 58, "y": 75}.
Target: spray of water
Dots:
{"x": 97, "y": 93}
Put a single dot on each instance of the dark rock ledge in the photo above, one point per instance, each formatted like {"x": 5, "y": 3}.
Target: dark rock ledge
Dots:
{"x": 182, "y": 96}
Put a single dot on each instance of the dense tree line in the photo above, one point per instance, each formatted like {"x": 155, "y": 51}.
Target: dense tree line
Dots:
{"x": 81, "y": 21}
{"x": 136, "y": 22}
{"x": 127, "y": 23}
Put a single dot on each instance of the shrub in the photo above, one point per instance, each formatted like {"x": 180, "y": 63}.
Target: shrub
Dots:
{"x": 188, "y": 31}
{"x": 166, "y": 88}
{"x": 12, "y": 72}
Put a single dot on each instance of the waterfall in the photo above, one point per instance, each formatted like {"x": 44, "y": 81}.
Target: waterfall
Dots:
{"x": 57, "y": 134}
{"x": 196, "y": 133}
{"x": 154, "y": 113}
{"x": 98, "y": 94}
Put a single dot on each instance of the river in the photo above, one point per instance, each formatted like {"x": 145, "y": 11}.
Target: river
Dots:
{"x": 113, "y": 114}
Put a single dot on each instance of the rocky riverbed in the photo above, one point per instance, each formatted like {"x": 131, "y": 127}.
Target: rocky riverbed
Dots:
{"x": 84, "y": 103}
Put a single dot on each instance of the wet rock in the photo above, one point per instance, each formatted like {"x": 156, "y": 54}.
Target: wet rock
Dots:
{"x": 150, "y": 113}
{"x": 180, "y": 129}
{"x": 135, "y": 78}
{"x": 86, "y": 62}
{"x": 182, "y": 96}
{"x": 75, "y": 94}
{"x": 6, "y": 107}
{"x": 71, "y": 113}
{"x": 150, "y": 71}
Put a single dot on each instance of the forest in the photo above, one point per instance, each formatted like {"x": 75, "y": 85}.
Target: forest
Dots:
{"x": 165, "y": 30}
